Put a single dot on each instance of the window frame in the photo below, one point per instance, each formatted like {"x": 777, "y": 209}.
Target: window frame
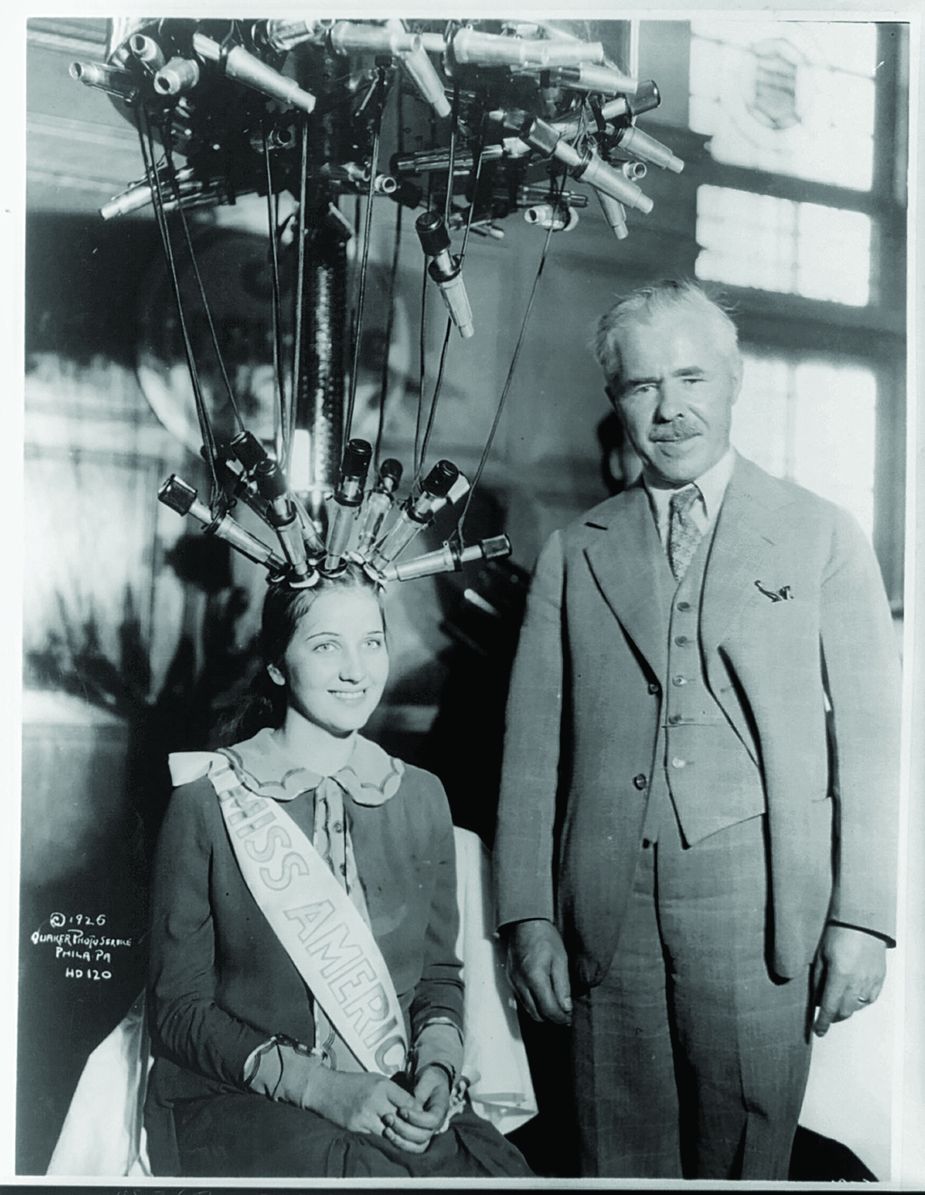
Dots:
{"x": 873, "y": 335}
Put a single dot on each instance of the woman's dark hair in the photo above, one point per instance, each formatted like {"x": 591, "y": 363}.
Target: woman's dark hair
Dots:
{"x": 283, "y": 609}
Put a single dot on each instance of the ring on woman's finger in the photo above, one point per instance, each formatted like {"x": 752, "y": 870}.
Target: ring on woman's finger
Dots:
{"x": 863, "y": 999}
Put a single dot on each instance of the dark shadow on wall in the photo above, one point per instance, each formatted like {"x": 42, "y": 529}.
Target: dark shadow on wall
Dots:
{"x": 94, "y": 792}
{"x": 82, "y": 284}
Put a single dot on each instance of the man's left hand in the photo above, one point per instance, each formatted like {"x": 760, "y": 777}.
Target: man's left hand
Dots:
{"x": 847, "y": 975}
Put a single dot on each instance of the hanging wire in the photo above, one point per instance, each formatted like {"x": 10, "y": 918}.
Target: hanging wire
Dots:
{"x": 289, "y": 426}
{"x": 433, "y": 402}
{"x": 422, "y": 373}
{"x": 454, "y": 129}
{"x": 146, "y": 140}
{"x": 364, "y": 269}
{"x": 390, "y": 317}
{"x": 447, "y": 210}
{"x": 460, "y": 526}
{"x": 477, "y": 169}
{"x": 361, "y": 293}
{"x": 476, "y": 175}
{"x": 389, "y": 325}
{"x": 199, "y": 283}
{"x": 281, "y": 419}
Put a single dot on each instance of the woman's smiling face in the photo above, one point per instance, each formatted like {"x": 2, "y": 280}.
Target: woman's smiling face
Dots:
{"x": 337, "y": 662}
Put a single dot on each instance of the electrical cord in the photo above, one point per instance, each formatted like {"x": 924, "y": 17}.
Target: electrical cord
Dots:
{"x": 505, "y": 391}
{"x": 280, "y": 413}
{"x": 199, "y": 283}
{"x": 422, "y": 375}
{"x": 146, "y": 140}
{"x": 364, "y": 270}
{"x": 390, "y": 317}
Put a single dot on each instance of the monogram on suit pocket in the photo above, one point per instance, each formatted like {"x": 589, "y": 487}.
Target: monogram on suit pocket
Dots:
{"x": 783, "y": 594}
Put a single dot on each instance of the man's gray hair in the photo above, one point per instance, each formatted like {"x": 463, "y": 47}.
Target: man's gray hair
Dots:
{"x": 645, "y": 302}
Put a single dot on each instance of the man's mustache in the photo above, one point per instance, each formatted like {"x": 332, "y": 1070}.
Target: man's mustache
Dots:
{"x": 672, "y": 432}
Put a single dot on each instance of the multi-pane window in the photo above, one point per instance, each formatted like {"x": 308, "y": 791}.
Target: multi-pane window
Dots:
{"x": 781, "y": 245}
{"x": 814, "y": 421}
{"x": 800, "y": 219}
{"x": 794, "y": 99}
{"x": 791, "y": 97}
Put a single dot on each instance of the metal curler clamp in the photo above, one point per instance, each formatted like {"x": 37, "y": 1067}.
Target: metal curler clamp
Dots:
{"x": 245, "y": 68}
{"x": 557, "y": 216}
{"x": 282, "y": 515}
{"x": 421, "y": 71}
{"x": 470, "y": 47}
{"x": 604, "y": 80}
{"x": 111, "y": 79}
{"x": 379, "y": 501}
{"x": 180, "y": 496}
{"x": 640, "y": 145}
{"x": 147, "y": 52}
{"x": 346, "y": 500}
{"x": 614, "y": 214}
{"x": 416, "y": 513}
{"x": 448, "y": 559}
{"x": 177, "y": 77}
{"x": 445, "y": 270}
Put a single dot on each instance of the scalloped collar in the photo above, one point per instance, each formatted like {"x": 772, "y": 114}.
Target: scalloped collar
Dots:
{"x": 370, "y": 777}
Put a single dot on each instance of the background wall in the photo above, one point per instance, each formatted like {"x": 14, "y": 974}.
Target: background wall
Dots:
{"x": 136, "y": 629}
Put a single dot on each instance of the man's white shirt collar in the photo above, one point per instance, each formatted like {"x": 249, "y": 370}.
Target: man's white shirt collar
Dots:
{"x": 712, "y": 486}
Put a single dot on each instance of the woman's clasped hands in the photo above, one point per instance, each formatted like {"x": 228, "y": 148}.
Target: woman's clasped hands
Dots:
{"x": 365, "y": 1103}
{"x": 412, "y": 1127}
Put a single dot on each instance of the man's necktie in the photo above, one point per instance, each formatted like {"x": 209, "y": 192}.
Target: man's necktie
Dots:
{"x": 683, "y": 533}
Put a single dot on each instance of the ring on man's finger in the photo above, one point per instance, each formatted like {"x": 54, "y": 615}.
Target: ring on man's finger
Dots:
{"x": 863, "y": 999}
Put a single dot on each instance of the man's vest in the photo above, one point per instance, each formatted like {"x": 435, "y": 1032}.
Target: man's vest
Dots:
{"x": 701, "y": 766}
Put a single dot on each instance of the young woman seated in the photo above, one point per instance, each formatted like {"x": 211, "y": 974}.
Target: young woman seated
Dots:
{"x": 305, "y": 999}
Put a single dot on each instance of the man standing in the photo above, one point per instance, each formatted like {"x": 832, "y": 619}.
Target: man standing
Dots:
{"x": 697, "y": 826}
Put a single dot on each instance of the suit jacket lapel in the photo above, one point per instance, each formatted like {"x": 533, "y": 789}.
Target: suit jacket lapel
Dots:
{"x": 631, "y": 570}
{"x": 747, "y": 531}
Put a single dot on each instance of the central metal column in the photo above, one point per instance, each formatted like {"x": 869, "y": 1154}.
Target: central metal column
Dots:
{"x": 319, "y": 400}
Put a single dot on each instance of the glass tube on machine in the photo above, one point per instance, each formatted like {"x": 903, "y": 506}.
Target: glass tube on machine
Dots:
{"x": 416, "y": 513}
{"x": 379, "y": 501}
{"x": 346, "y": 501}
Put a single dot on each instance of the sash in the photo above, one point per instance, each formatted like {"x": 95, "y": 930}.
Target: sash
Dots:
{"x": 319, "y": 927}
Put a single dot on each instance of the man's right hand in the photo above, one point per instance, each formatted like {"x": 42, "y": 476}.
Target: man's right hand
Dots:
{"x": 537, "y": 967}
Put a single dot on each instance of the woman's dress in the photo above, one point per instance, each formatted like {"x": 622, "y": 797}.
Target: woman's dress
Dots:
{"x": 221, "y": 984}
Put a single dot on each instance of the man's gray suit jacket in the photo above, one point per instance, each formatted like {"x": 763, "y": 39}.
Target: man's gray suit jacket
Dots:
{"x": 816, "y": 677}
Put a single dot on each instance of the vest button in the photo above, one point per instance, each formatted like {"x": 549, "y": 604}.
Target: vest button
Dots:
{"x": 653, "y": 687}
{"x": 646, "y": 843}
{"x": 674, "y": 719}
{"x": 681, "y": 640}
{"x": 640, "y": 781}
{"x": 679, "y": 680}
{"x": 678, "y": 763}
{"x": 684, "y": 607}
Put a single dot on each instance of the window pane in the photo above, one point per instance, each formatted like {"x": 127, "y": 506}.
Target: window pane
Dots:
{"x": 813, "y": 422}
{"x": 793, "y": 97}
{"x": 835, "y": 435}
{"x": 760, "y": 428}
{"x": 774, "y": 244}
